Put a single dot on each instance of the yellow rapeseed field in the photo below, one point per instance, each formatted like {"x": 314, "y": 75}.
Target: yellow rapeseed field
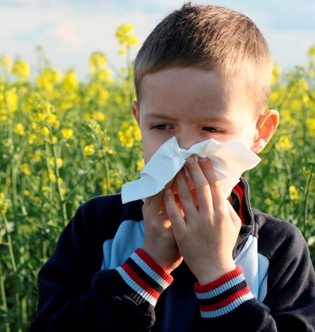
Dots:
{"x": 64, "y": 141}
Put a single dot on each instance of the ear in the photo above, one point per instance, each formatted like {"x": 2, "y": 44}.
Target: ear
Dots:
{"x": 135, "y": 111}
{"x": 265, "y": 127}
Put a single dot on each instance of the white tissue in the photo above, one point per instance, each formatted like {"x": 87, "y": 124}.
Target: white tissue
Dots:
{"x": 229, "y": 161}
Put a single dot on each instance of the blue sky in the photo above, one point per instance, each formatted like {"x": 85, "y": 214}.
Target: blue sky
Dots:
{"x": 70, "y": 30}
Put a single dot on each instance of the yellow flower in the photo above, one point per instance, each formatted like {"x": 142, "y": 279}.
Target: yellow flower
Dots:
{"x": 128, "y": 134}
{"x": 3, "y": 114}
{"x": 126, "y": 37}
{"x": 52, "y": 176}
{"x": 125, "y": 136}
{"x": 122, "y": 51}
{"x": 97, "y": 61}
{"x": 306, "y": 171}
{"x": 104, "y": 185}
{"x": 21, "y": 69}
{"x": 304, "y": 84}
{"x": 310, "y": 124}
{"x": 5, "y": 203}
{"x": 98, "y": 93}
{"x": 26, "y": 192}
{"x": 52, "y": 119}
{"x": 37, "y": 156}
{"x": 19, "y": 129}
{"x": 45, "y": 131}
{"x": 45, "y": 188}
{"x": 11, "y": 100}
{"x": 48, "y": 78}
{"x": 66, "y": 133}
{"x": 5, "y": 62}
{"x": 39, "y": 117}
{"x": 284, "y": 143}
{"x": 25, "y": 169}
{"x": 105, "y": 75}
{"x": 59, "y": 162}
{"x": 54, "y": 140}
{"x": 99, "y": 153}
{"x": 287, "y": 118}
{"x": 311, "y": 51}
{"x": 140, "y": 164}
{"x": 103, "y": 96}
{"x": 31, "y": 138}
{"x": 276, "y": 74}
{"x": 137, "y": 133}
{"x": 305, "y": 99}
{"x": 98, "y": 116}
{"x": 89, "y": 150}
{"x": 1, "y": 198}
{"x": 70, "y": 80}
{"x": 294, "y": 194}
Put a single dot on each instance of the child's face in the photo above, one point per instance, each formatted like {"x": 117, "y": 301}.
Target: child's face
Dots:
{"x": 193, "y": 105}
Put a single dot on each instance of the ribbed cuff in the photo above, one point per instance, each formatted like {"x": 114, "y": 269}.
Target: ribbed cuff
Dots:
{"x": 144, "y": 276}
{"x": 223, "y": 295}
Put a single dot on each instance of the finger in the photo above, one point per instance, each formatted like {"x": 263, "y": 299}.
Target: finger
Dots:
{"x": 234, "y": 216}
{"x": 201, "y": 185}
{"x": 218, "y": 198}
{"x": 156, "y": 202}
{"x": 186, "y": 199}
{"x": 173, "y": 212}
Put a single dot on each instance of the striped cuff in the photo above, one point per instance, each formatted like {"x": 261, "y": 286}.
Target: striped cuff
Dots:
{"x": 223, "y": 295}
{"x": 144, "y": 276}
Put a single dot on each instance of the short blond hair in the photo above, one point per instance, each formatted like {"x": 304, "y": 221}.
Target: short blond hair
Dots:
{"x": 209, "y": 38}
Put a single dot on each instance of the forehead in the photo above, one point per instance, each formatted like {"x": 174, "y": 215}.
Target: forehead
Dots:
{"x": 189, "y": 83}
{"x": 192, "y": 89}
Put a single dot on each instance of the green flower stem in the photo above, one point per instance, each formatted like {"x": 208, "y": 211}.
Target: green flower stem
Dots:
{"x": 3, "y": 296}
{"x": 106, "y": 169}
{"x": 13, "y": 166}
{"x": 307, "y": 195}
{"x": 10, "y": 245}
{"x": 61, "y": 198}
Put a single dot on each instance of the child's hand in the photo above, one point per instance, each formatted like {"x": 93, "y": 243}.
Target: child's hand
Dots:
{"x": 159, "y": 240}
{"x": 207, "y": 233}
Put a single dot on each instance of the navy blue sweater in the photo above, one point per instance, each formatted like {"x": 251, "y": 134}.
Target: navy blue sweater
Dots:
{"x": 99, "y": 280}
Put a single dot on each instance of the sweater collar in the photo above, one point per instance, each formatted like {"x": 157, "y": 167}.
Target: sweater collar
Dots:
{"x": 241, "y": 192}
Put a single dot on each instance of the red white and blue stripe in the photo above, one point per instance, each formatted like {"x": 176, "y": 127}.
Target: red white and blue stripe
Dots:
{"x": 223, "y": 295}
{"x": 142, "y": 274}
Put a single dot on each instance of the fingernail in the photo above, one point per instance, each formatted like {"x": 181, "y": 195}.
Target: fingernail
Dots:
{"x": 203, "y": 160}
{"x": 168, "y": 191}
{"x": 190, "y": 160}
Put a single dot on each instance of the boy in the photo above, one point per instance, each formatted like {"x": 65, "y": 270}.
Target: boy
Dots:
{"x": 176, "y": 261}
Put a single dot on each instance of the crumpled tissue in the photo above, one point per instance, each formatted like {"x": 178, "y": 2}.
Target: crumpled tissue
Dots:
{"x": 229, "y": 160}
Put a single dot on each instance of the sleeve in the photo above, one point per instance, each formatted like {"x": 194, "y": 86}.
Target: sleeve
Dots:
{"x": 75, "y": 295}
{"x": 228, "y": 305}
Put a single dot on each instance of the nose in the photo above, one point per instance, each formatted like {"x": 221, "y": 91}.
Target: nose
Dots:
{"x": 186, "y": 139}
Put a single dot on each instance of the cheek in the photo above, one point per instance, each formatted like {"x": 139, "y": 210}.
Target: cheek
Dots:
{"x": 150, "y": 144}
{"x": 149, "y": 149}
{"x": 147, "y": 154}
{"x": 147, "y": 146}
{"x": 249, "y": 139}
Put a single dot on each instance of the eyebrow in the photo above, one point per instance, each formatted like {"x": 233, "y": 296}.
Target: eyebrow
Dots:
{"x": 159, "y": 116}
